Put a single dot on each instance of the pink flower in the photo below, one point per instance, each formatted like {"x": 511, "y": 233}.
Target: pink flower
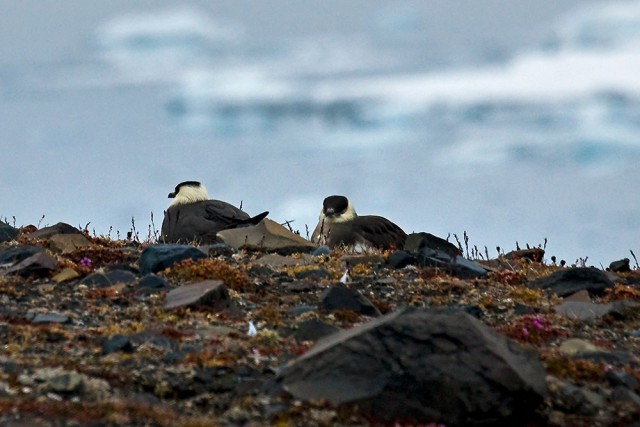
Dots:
{"x": 537, "y": 323}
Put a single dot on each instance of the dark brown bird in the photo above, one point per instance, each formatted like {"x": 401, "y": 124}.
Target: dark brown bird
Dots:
{"x": 340, "y": 225}
{"x": 192, "y": 217}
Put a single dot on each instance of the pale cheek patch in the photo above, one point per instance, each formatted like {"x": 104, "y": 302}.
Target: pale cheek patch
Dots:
{"x": 190, "y": 195}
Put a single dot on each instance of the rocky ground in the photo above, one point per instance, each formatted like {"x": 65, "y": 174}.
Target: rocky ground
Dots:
{"x": 103, "y": 332}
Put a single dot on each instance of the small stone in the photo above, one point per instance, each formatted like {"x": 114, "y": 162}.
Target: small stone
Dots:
{"x": 620, "y": 266}
{"x": 624, "y": 395}
{"x": 65, "y": 275}
{"x": 281, "y": 261}
{"x": 50, "y": 318}
{"x": 568, "y": 281}
{"x": 575, "y": 346}
{"x": 267, "y": 236}
{"x": 321, "y": 251}
{"x": 401, "y": 259}
{"x": 362, "y": 259}
{"x": 343, "y": 298}
{"x": 313, "y": 330}
{"x": 117, "y": 343}
{"x": 218, "y": 249}
{"x": 300, "y": 309}
{"x": 580, "y": 296}
{"x": 152, "y": 281}
{"x": 313, "y": 274}
{"x": 59, "y": 380}
{"x": 159, "y": 257}
{"x": 41, "y": 264}
{"x": 621, "y": 378}
{"x": 99, "y": 280}
{"x": 532, "y": 254}
{"x": 120, "y": 276}
{"x": 67, "y": 243}
{"x": 301, "y": 286}
{"x": 457, "y": 266}
{"x": 210, "y": 293}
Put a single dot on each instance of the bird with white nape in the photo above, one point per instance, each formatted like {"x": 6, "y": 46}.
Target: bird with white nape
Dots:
{"x": 193, "y": 217}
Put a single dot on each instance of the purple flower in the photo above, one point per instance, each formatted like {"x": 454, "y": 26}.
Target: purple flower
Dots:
{"x": 537, "y": 323}
{"x": 525, "y": 331}
{"x": 85, "y": 262}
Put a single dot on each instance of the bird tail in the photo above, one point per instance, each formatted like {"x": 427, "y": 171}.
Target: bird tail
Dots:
{"x": 253, "y": 220}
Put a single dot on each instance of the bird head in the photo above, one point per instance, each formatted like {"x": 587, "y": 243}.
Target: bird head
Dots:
{"x": 337, "y": 209}
{"x": 188, "y": 192}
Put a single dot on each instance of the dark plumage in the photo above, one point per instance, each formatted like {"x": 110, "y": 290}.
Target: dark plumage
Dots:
{"x": 340, "y": 225}
{"x": 193, "y": 217}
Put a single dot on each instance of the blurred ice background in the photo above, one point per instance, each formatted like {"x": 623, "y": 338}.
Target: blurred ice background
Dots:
{"x": 513, "y": 121}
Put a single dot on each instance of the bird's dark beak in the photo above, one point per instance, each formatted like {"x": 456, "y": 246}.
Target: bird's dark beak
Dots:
{"x": 330, "y": 212}
{"x": 172, "y": 195}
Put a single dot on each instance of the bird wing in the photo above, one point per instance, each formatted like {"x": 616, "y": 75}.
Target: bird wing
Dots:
{"x": 379, "y": 231}
{"x": 223, "y": 215}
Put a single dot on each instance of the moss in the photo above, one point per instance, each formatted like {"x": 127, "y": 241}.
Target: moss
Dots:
{"x": 190, "y": 270}
{"x": 574, "y": 369}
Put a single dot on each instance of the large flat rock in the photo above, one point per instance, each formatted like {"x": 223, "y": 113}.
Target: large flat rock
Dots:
{"x": 268, "y": 236}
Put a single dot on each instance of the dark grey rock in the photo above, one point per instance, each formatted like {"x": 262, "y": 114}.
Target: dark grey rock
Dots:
{"x": 423, "y": 366}
{"x": 620, "y": 266}
{"x": 120, "y": 276}
{"x": 316, "y": 274}
{"x": 313, "y": 330}
{"x": 419, "y": 241}
{"x": 531, "y": 254}
{"x": 117, "y": 343}
{"x": 217, "y": 379}
{"x": 401, "y": 259}
{"x": 98, "y": 280}
{"x": 300, "y": 309}
{"x": 7, "y": 232}
{"x": 457, "y": 266}
{"x": 158, "y": 257}
{"x": 568, "y": 281}
{"x": 40, "y": 264}
{"x": 122, "y": 266}
{"x": 18, "y": 253}
{"x": 473, "y": 310}
{"x": 624, "y": 395}
{"x": 59, "y": 228}
{"x": 152, "y": 281}
{"x": 301, "y": 286}
{"x": 572, "y": 398}
{"x": 621, "y": 378}
{"x": 321, "y": 251}
{"x": 340, "y": 297}
{"x": 588, "y": 311}
{"x": 210, "y": 293}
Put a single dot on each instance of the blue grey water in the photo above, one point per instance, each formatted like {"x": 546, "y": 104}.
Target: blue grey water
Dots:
{"x": 512, "y": 121}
